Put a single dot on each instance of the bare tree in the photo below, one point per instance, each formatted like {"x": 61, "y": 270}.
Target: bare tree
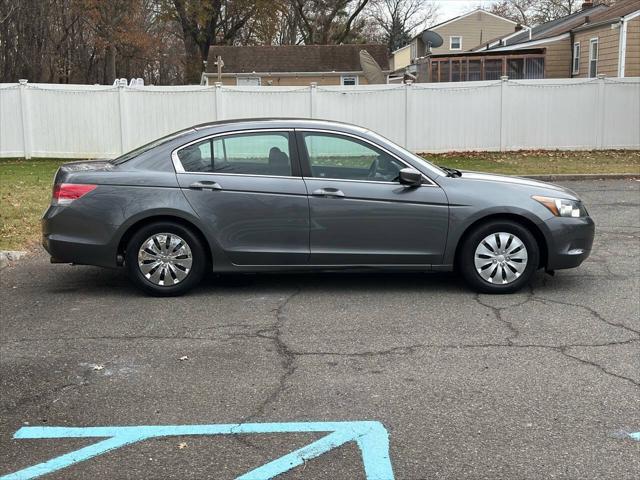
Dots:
{"x": 206, "y": 23}
{"x": 534, "y": 12}
{"x": 519, "y": 11}
{"x": 328, "y": 21}
{"x": 399, "y": 19}
{"x": 165, "y": 41}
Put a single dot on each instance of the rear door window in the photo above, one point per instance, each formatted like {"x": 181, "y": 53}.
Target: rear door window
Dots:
{"x": 244, "y": 154}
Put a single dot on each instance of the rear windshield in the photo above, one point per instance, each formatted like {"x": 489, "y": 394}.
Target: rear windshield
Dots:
{"x": 140, "y": 150}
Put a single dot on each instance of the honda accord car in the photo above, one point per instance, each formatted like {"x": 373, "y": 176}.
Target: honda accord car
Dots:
{"x": 305, "y": 195}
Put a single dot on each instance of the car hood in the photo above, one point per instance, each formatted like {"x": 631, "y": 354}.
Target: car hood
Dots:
{"x": 502, "y": 179}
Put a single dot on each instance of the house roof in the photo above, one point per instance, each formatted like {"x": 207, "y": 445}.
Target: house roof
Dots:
{"x": 583, "y": 19}
{"x": 620, "y": 9}
{"x": 539, "y": 33}
{"x": 556, "y": 27}
{"x": 295, "y": 58}
{"x": 550, "y": 29}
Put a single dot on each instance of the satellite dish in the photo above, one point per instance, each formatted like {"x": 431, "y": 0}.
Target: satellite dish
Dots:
{"x": 431, "y": 39}
{"x": 372, "y": 71}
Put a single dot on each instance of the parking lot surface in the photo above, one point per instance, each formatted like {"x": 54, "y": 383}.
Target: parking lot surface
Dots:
{"x": 540, "y": 384}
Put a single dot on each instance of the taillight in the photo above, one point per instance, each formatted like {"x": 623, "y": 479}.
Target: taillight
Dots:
{"x": 65, "y": 193}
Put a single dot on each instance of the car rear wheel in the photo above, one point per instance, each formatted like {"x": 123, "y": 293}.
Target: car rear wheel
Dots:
{"x": 499, "y": 257}
{"x": 165, "y": 259}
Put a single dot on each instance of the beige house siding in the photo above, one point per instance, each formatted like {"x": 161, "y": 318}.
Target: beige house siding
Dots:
{"x": 608, "y": 49}
{"x": 474, "y": 29}
{"x": 632, "y": 60}
{"x": 557, "y": 61}
{"x": 401, "y": 58}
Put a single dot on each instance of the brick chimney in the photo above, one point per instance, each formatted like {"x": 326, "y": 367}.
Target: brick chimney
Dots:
{"x": 587, "y": 4}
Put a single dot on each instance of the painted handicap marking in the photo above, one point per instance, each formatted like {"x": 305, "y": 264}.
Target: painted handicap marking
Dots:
{"x": 635, "y": 436}
{"x": 371, "y": 437}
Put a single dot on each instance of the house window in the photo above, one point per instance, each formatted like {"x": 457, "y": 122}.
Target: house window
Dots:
{"x": 459, "y": 70}
{"x": 455, "y": 43}
{"x": 349, "y": 80}
{"x": 593, "y": 57}
{"x": 475, "y": 70}
{"x": 248, "y": 81}
{"x": 515, "y": 68}
{"x": 455, "y": 71}
{"x": 492, "y": 69}
{"x": 444, "y": 71}
{"x": 534, "y": 67}
{"x": 435, "y": 72}
{"x": 576, "y": 58}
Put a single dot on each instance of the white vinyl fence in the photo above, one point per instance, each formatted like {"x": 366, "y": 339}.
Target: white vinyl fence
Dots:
{"x": 81, "y": 121}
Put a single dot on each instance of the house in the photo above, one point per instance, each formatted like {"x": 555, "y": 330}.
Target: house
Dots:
{"x": 543, "y": 51}
{"x": 608, "y": 43}
{"x": 292, "y": 64}
{"x": 458, "y": 34}
{"x": 595, "y": 39}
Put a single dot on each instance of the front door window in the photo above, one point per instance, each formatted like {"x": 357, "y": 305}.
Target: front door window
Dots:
{"x": 332, "y": 156}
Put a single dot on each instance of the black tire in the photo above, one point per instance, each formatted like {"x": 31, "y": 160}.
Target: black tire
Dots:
{"x": 195, "y": 274}
{"x": 466, "y": 256}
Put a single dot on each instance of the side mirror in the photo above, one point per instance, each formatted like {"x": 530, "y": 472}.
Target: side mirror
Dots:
{"x": 410, "y": 177}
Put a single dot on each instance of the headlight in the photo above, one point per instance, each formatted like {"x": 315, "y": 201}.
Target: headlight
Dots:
{"x": 561, "y": 207}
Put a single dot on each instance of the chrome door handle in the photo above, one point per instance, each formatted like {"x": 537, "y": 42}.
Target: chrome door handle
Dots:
{"x": 328, "y": 192}
{"x": 205, "y": 186}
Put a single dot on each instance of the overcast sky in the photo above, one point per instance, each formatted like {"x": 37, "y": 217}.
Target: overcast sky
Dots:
{"x": 452, "y": 8}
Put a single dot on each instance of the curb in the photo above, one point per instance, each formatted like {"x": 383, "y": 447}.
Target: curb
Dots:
{"x": 7, "y": 256}
{"x": 559, "y": 177}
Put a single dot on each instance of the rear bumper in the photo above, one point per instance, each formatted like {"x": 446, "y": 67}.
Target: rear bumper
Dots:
{"x": 74, "y": 251}
{"x": 570, "y": 241}
{"x": 70, "y": 239}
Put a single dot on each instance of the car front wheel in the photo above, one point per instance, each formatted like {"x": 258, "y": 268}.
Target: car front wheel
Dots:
{"x": 499, "y": 257}
{"x": 165, "y": 259}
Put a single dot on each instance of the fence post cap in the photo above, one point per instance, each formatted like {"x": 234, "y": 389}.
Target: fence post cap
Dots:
{"x": 313, "y": 84}
{"x": 23, "y": 81}
{"x": 601, "y": 76}
{"x": 408, "y": 82}
{"x": 504, "y": 78}
{"x": 218, "y": 84}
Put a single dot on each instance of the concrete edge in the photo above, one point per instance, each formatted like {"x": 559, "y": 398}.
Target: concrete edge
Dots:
{"x": 558, "y": 177}
{"x": 8, "y": 256}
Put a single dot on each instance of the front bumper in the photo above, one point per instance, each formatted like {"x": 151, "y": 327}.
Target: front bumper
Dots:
{"x": 569, "y": 241}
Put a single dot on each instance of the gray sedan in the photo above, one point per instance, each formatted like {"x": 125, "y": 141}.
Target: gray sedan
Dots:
{"x": 299, "y": 195}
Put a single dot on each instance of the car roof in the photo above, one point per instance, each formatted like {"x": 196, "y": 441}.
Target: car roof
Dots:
{"x": 246, "y": 123}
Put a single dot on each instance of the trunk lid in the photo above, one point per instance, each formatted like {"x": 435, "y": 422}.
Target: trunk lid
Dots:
{"x": 67, "y": 170}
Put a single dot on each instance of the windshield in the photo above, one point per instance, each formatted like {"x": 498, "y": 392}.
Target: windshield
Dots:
{"x": 140, "y": 150}
{"x": 428, "y": 165}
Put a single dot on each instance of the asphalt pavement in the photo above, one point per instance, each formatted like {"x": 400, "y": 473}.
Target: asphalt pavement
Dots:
{"x": 537, "y": 385}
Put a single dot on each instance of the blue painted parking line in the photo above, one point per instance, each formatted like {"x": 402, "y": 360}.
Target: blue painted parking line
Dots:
{"x": 371, "y": 437}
